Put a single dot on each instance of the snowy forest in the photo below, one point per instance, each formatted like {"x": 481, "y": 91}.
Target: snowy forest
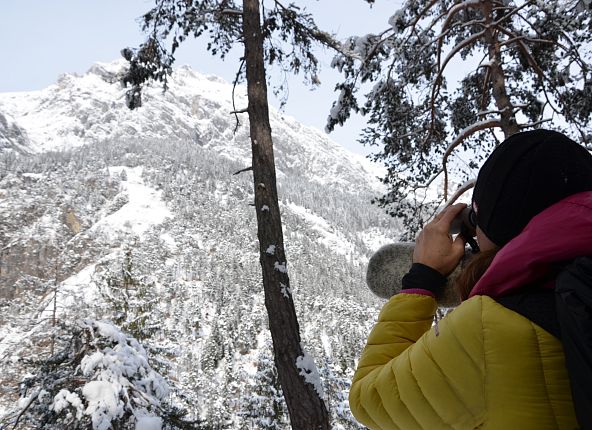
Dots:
{"x": 156, "y": 237}
{"x": 175, "y": 254}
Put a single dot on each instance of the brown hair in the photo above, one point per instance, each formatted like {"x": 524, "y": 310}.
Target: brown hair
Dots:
{"x": 473, "y": 271}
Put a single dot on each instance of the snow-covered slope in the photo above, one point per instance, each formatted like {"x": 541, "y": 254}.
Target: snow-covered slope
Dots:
{"x": 196, "y": 108}
{"x": 99, "y": 193}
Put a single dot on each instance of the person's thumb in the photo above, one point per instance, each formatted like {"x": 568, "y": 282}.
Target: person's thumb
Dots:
{"x": 458, "y": 246}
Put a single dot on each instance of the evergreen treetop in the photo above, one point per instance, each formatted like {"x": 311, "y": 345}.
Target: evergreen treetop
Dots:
{"x": 453, "y": 77}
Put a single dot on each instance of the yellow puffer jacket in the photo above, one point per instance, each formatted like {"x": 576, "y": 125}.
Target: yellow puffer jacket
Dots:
{"x": 483, "y": 366}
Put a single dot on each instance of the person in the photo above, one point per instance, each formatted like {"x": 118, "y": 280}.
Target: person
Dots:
{"x": 498, "y": 360}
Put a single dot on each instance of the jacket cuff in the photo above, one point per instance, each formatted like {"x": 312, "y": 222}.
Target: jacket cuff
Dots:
{"x": 422, "y": 277}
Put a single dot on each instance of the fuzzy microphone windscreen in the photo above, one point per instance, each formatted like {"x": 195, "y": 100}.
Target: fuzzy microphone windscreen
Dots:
{"x": 390, "y": 263}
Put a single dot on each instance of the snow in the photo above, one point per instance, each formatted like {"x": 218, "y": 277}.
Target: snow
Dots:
{"x": 90, "y": 108}
{"x": 169, "y": 240}
{"x": 336, "y": 109}
{"x": 280, "y": 267}
{"x": 144, "y": 208}
{"x": 103, "y": 403}
{"x": 270, "y": 250}
{"x": 64, "y": 399}
{"x": 23, "y": 402}
{"x": 326, "y": 342}
{"x": 115, "y": 374}
{"x": 306, "y": 154}
{"x": 363, "y": 44}
{"x": 286, "y": 292}
{"x": 395, "y": 17}
{"x": 78, "y": 287}
{"x": 149, "y": 423}
{"x": 308, "y": 370}
{"x": 110, "y": 331}
{"x": 329, "y": 236}
{"x": 34, "y": 176}
{"x": 374, "y": 238}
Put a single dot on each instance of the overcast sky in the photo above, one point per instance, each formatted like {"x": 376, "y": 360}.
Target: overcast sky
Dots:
{"x": 42, "y": 39}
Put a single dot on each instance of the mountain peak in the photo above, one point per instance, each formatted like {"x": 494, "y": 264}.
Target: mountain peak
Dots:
{"x": 90, "y": 108}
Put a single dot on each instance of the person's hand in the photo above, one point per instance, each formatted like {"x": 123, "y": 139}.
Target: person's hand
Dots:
{"x": 434, "y": 246}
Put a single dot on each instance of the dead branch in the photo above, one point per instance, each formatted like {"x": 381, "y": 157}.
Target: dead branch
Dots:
{"x": 246, "y": 169}
{"x": 234, "y": 84}
{"x": 18, "y": 418}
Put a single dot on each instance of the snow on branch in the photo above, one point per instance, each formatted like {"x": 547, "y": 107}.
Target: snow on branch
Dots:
{"x": 456, "y": 9}
{"x": 110, "y": 383}
{"x": 468, "y": 131}
{"x": 457, "y": 48}
{"x": 535, "y": 124}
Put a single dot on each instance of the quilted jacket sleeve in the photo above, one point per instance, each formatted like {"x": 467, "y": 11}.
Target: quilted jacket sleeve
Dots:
{"x": 411, "y": 376}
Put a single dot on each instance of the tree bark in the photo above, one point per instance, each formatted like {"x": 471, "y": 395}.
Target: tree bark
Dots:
{"x": 498, "y": 81}
{"x": 307, "y": 410}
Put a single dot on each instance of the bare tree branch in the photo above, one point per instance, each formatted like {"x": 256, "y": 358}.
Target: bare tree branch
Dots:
{"x": 437, "y": 81}
{"x": 234, "y": 84}
{"x": 460, "y": 191}
{"x": 464, "y": 134}
{"x": 246, "y": 169}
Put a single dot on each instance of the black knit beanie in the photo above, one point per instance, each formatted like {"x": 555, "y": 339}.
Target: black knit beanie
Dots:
{"x": 524, "y": 175}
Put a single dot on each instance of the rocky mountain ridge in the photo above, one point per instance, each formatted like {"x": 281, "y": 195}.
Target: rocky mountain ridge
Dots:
{"x": 90, "y": 108}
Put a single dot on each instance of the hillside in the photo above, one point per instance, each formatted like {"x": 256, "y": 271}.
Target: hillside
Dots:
{"x": 91, "y": 192}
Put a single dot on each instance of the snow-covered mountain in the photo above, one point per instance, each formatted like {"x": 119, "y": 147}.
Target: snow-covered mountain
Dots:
{"x": 91, "y": 108}
{"x": 91, "y": 192}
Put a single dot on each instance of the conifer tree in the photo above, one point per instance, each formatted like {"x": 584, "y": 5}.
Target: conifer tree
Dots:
{"x": 100, "y": 379}
{"x": 131, "y": 299}
{"x": 454, "y": 77}
{"x": 277, "y": 35}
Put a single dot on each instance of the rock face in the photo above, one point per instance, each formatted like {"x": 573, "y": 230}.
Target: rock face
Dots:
{"x": 72, "y": 221}
{"x": 13, "y": 137}
{"x": 100, "y": 196}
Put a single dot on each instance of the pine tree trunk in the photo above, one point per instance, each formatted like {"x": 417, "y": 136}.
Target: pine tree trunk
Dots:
{"x": 498, "y": 81}
{"x": 307, "y": 410}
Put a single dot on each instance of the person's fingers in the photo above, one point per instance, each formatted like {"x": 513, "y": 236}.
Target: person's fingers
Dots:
{"x": 448, "y": 214}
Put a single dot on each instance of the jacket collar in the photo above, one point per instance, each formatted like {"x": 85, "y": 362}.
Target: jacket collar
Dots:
{"x": 554, "y": 237}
